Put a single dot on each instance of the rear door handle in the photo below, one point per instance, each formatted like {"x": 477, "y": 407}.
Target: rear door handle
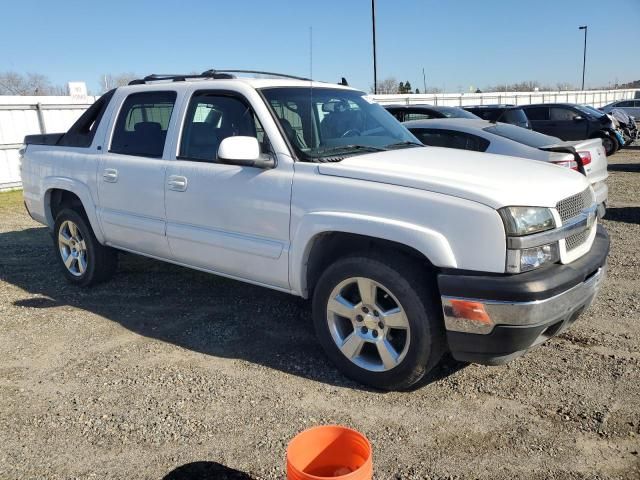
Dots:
{"x": 177, "y": 183}
{"x": 110, "y": 175}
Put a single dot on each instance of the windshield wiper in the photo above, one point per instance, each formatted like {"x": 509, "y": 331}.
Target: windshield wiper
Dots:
{"x": 407, "y": 143}
{"x": 340, "y": 148}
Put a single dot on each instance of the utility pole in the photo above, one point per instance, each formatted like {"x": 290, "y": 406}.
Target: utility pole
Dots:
{"x": 373, "y": 28}
{"x": 584, "y": 56}
{"x": 424, "y": 81}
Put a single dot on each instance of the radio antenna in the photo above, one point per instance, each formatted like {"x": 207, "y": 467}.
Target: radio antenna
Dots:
{"x": 311, "y": 53}
{"x": 311, "y": 81}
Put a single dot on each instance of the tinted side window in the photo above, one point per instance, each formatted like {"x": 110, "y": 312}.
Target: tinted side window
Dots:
{"x": 627, "y": 103}
{"x": 213, "y": 117}
{"x": 486, "y": 114}
{"x": 562, "y": 114}
{"x": 399, "y": 114}
{"x": 82, "y": 132}
{"x": 141, "y": 128}
{"x": 537, "y": 113}
{"x": 451, "y": 139}
{"x": 418, "y": 116}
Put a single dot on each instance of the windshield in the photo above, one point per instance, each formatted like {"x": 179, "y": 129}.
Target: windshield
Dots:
{"x": 522, "y": 135}
{"x": 589, "y": 111}
{"x": 330, "y": 123}
{"x": 455, "y": 112}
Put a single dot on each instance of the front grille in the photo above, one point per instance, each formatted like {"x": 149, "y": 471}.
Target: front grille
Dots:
{"x": 572, "y": 206}
{"x": 574, "y": 241}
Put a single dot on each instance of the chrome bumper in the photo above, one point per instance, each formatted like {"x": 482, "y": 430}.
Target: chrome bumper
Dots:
{"x": 478, "y": 316}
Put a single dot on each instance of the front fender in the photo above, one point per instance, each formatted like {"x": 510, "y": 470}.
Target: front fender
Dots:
{"x": 78, "y": 188}
{"x": 432, "y": 244}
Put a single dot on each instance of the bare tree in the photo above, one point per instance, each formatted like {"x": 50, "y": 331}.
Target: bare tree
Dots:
{"x": 565, "y": 86}
{"x": 109, "y": 80}
{"x": 13, "y": 83}
{"x": 387, "y": 86}
{"x": 527, "y": 86}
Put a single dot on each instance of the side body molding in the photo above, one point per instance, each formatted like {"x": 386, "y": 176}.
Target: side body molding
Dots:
{"x": 83, "y": 193}
{"x": 429, "y": 242}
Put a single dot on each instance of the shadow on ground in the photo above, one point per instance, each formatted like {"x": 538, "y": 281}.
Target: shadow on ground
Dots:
{"x": 194, "y": 310}
{"x": 624, "y": 167}
{"x": 623, "y": 214}
{"x": 206, "y": 471}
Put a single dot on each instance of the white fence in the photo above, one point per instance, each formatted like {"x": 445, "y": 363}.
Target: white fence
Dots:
{"x": 20, "y": 116}
{"x": 595, "y": 98}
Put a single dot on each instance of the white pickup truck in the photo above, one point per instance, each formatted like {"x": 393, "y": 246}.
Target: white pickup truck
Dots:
{"x": 310, "y": 188}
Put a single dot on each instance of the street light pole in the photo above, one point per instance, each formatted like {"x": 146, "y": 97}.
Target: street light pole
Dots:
{"x": 584, "y": 57}
{"x": 424, "y": 82}
{"x": 375, "y": 67}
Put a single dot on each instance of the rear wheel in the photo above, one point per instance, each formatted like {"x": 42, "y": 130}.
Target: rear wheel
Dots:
{"x": 378, "y": 320}
{"x": 83, "y": 259}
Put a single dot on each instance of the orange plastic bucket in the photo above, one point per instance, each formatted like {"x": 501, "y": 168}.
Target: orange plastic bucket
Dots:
{"x": 329, "y": 451}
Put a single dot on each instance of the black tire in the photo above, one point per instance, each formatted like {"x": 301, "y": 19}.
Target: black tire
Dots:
{"x": 101, "y": 261}
{"x": 414, "y": 289}
{"x": 610, "y": 144}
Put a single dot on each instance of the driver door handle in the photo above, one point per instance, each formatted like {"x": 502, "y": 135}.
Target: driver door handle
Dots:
{"x": 177, "y": 183}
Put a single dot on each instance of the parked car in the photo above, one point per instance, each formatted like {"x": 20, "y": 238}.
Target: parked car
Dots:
{"x": 312, "y": 189}
{"x": 627, "y": 125}
{"x": 505, "y": 139}
{"x": 630, "y": 107}
{"x": 405, "y": 113}
{"x": 572, "y": 122}
{"x": 501, "y": 113}
{"x": 619, "y": 125}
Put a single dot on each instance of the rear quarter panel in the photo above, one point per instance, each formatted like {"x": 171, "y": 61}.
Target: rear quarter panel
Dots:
{"x": 45, "y": 168}
{"x": 597, "y": 170}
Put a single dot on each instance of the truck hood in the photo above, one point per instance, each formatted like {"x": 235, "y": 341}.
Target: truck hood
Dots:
{"x": 494, "y": 180}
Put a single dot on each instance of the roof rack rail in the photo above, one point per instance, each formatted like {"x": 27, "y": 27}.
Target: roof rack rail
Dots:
{"x": 156, "y": 77}
{"x": 223, "y": 71}
{"x": 217, "y": 74}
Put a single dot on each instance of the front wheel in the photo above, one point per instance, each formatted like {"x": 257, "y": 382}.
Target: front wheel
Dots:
{"x": 378, "y": 320}
{"x": 610, "y": 145}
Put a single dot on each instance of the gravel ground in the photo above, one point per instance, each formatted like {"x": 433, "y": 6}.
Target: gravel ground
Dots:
{"x": 170, "y": 373}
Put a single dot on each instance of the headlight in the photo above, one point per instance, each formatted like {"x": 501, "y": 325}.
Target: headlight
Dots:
{"x": 520, "y": 221}
{"x": 526, "y": 259}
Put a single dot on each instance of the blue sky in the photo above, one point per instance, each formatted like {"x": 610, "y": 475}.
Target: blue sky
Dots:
{"x": 459, "y": 43}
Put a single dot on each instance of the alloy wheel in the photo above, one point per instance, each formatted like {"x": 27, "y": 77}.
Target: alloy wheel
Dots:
{"x": 368, "y": 324}
{"x": 73, "y": 248}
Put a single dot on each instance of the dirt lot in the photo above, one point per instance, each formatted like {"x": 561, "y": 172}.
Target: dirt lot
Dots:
{"x": 164, "y": 367}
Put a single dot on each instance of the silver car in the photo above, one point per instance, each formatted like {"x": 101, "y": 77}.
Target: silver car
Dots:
{"x": 630, "y": 107}
{"x": 506, "y": 139}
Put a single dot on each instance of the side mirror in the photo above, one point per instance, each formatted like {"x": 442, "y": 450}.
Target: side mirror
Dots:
{"x": 578, "y": 118}
{"x": 243, "y": 151}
